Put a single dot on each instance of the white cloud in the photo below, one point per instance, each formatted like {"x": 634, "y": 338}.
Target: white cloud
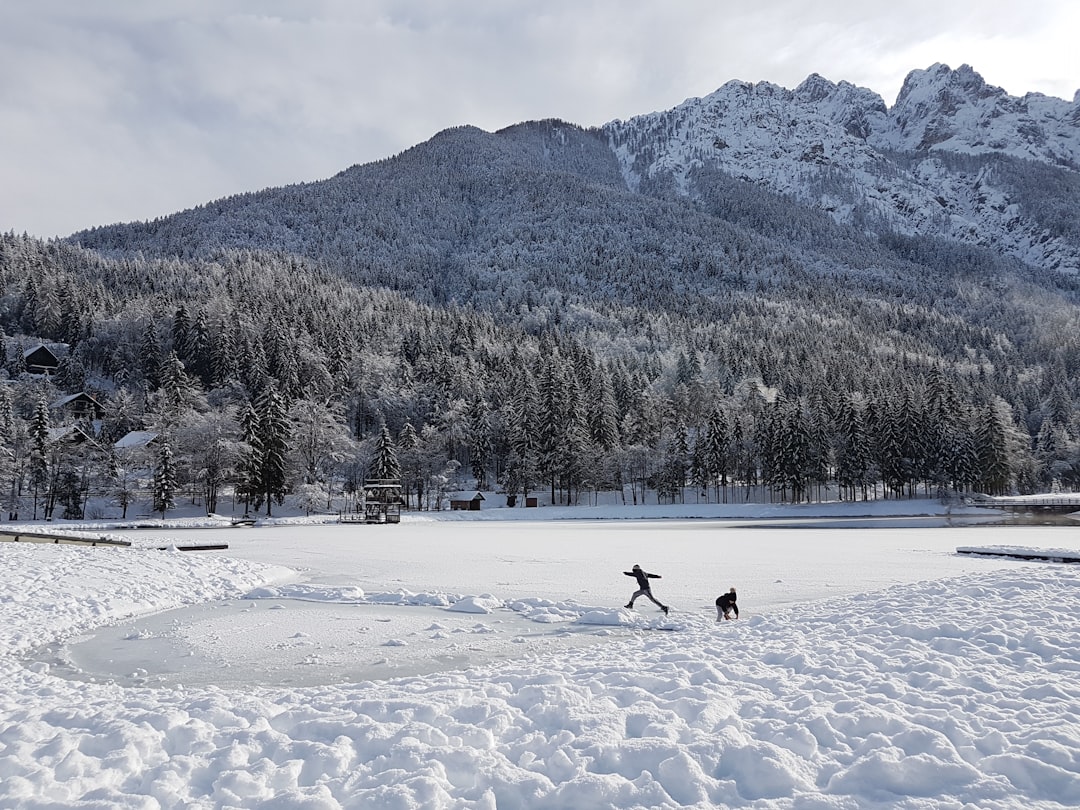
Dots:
{"x": 115, "y": 110}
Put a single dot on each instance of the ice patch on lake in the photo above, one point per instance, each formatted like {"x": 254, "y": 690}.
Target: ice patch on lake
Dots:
{"x": 307, "y": 634}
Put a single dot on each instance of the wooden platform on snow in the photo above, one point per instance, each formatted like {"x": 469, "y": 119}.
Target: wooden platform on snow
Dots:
{"x": 8, "y": 536}
{"x": 1047, "y": 554}
{"x": 197, "y": 547}
{"x": 1060, "y": 504}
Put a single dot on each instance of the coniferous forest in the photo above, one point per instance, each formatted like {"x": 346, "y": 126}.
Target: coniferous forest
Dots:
{"x": 502, "y": 312}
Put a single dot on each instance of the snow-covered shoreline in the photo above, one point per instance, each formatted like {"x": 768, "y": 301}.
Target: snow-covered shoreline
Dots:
{"x": 942, "y": 692}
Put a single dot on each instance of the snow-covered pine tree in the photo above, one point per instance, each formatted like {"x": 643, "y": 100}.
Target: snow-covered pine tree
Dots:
{"x": 163, "y": 493}
{"x": 479, "y": 427}
{"x": 176, "y": 389}
{"x": 181, "y": 334}
{"x": 273, "y": 444}
{"x": 385, "y": 464}
{"x": 603, "y": 414}
{"x": 409, "y": 458}
{"x": 248, "y": 479}
{"x": 851, "y": 449}
{"x": 716, "y": 453}
{"x": 995, "y": 467}
{"x": 39, "y": 453}
{"x": 150, "y": 357}
{"x": 573, "y": 451}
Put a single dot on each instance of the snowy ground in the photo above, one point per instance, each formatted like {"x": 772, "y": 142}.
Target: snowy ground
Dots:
{"x": 489, "y": 663}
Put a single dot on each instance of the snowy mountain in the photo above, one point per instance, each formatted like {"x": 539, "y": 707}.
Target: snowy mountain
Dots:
{"x": 954, "y": 158}
{"x": 759, "y": 226}
{"x": 799, "y": 268}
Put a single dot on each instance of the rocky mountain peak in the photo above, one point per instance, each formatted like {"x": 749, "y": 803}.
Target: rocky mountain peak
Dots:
{"x": 941, "y": 108}
{"x": 834, "y": 146}
{"x": 815, "y": 87}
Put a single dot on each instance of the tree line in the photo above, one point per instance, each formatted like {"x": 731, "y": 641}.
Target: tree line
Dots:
{"x": 265, "y": 377}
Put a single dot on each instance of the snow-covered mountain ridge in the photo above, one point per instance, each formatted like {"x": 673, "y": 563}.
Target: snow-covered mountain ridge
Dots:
{"x": 942, "y": 162}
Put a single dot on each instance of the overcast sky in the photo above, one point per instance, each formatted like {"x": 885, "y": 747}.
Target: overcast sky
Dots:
{"x": 118, "y": 110}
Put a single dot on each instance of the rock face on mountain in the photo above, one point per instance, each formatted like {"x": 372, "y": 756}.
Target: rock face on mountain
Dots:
{"x": 954, "y": 158}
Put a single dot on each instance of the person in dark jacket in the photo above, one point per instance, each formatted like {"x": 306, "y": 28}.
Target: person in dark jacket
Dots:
{"x": 726, "y": 607}
{"x": 644, "y": 589}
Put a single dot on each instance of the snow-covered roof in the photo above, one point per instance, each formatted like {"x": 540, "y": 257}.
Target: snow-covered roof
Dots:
{"x": 60, "y": 403}
{"x": 67, "y": 433}
{"x": 38, "y": 347}
{"x": 135, "y": 438}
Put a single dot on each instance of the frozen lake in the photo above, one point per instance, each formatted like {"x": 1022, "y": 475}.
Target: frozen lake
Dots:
{"x": 378, "y": 602}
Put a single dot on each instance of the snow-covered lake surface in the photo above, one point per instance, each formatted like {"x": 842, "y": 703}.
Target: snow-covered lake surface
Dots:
{"x": 490, "y": 663}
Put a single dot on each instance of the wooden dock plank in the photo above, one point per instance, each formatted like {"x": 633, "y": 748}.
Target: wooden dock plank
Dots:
{"x": 1050, "y": 554}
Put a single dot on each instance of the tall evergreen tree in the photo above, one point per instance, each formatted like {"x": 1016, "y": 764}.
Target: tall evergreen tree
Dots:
{"x": 165, "y": 484}
{"x": 39, "y": 452}
{"x": 479, "y": 427}
{"x": 962, "y": 470}
{"x": 150, "y": 357}
{"x": 551, "y": 421}
{"x": 222, "y": 355}
{"x": 249, "y": 478}
{"x": 717, "y": 451}
{"x": 603, "y": 413}
{"x": 995, "y": 470}
{"x": 385, "y": 464}
{"x": 181, "y": 334}
{"x": 852, "y": 451}
{"x": 273, "y": 444}
{"x": 9, "y": 464}
{"x": 573, "y": 448}
{"x": 177, "y": 389}
{"x": 409, "y": 458}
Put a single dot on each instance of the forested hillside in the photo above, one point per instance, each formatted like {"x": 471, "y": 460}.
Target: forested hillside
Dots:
{"x": 507, "y": 311}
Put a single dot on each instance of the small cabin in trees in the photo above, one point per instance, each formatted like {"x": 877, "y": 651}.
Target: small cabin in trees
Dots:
{"x": 467, "y": 504}
{"x": 41, "y": 360}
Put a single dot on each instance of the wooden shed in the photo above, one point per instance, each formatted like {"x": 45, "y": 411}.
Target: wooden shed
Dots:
{"x": 467, "y": 504}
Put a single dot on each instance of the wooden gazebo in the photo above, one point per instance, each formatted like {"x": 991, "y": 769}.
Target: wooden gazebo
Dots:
{"x": 382, "y": 500}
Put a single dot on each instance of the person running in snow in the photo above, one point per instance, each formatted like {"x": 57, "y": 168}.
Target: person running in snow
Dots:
{"x": 644, "y": 589}
{"x": 725, "y": 606}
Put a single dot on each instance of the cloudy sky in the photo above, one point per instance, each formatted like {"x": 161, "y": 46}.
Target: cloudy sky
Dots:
{"x": 121, "y": 110}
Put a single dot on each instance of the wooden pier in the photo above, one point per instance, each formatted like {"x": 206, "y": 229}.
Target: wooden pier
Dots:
{"x": 1062, "y": 505}
{"x": 9, "y": 536}
{"x": 1046, "y": 555}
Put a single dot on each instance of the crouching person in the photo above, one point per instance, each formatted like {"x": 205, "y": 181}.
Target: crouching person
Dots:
{"x": 726, "y": 608}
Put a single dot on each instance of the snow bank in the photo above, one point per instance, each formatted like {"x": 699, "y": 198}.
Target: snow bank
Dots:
{"x": 952, "y": 693}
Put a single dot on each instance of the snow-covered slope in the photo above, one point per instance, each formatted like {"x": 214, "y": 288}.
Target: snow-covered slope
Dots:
{"x": 944, "y": 161}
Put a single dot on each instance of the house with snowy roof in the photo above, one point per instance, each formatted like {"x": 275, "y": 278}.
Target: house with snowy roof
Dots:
{"x": 41, "y": 360}
{"x": 135, "y": 439}
{"x": 78, "y": 406}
